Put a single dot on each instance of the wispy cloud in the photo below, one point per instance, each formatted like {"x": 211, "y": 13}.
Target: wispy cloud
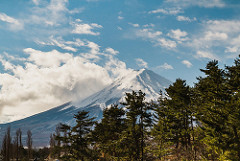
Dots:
{"x": 200, "y": 3}
{"x": 185, "y": 18}
{"x": 61, "y": 43}
{"x": 156, "y": 38}
{"x": 178, "y": 35}
{"x": 205, "y": 54}
{"x": 111, "y": 51}
{"x": 165, "y": 66}
{"x": 167, "y": 11}
{"x": 120, "y": 17}
{"x": 134, "y": 24}
{"x": 187, "y": 63}
{"x": 217, "y": 34}
{"x": 13, "y": 23}
{"x": 141, "y": 63}
{"x": 53, "y": 13}
{"x": 84, "y": 28}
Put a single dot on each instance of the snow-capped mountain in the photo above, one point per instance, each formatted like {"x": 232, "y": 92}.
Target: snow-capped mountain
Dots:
{"x": 43, "y": 124}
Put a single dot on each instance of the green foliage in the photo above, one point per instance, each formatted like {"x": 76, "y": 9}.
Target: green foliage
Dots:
{"x": 174, "y": 125}
{"x": 219, "y": 110}
{"x": 139, "y": 119}
{"x": 74, "y": 141}
{"x": 108, "y": 132}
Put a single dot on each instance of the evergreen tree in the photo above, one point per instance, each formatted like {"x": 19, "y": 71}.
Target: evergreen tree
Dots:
{"x": 108, "y": 132}
{"x": 63, "y": 141}
{"x": 80, "y": 137}
{"x": 74, "y": 141}
{"x": 233, "y": 113}
{"x": 139, "y": 118}
{"x": 174, "y": 120}
{"x": 212, "y": 98}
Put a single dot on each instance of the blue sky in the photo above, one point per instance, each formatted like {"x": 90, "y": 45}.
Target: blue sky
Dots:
{"x": 52, "y": 49}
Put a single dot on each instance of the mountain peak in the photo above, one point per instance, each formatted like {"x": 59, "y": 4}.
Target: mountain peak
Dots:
{"x": 43, "y": 124}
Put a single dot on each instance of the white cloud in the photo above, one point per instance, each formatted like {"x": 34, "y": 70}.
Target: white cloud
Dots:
{"x": 168, "y": 11}
{"x": 83, "y": 28}
{"x": 119, "y": 28}
{"x": 77, "y": 42}
{"x": 178, "y": 35}
{"x": 184, "y": 18}
{"x": 225, "y": 26}
{"x": 156, "y": 38}
{"x": 200, "y": 3}
{"x": 94, "y": 54}
{"x": 148, "y": 33}
{"x": 134, "y": 24}
{"x": 13, "y": 57}
{"x": 6, "y": 18}
{"x": 116, "y": 67}
{"x": 120, "y": 17}
{"x": 141, "y": 63}
{"x": 48, "y": 79}
{"x": 217, "y": 34}
{"x": 149, "y": 25}
{"x": 187, "y": 63}
{"x": 53, "y": 13}
{"x": 166, "y": 43}
{"x": 111, "y": 51}
{"x": 204, "y": 54}
{"x": 47, "y": 59}
{"x": 165, "y": 66}
{"x": 232, "y": 49}
{"x": 61, "y": 43}
{"x": 14, "y": 23}
{"x": 209, "y": 35}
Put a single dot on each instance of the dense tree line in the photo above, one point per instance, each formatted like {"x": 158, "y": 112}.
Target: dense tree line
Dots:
{"x": 186, "y": 123}
{"x": 13, "y": 149}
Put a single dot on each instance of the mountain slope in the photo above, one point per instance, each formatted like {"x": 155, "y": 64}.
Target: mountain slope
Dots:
{"x": 43, "y": 124}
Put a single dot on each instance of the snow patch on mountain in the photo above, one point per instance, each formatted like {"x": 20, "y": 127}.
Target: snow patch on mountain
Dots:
{"x": 43, "y": 124}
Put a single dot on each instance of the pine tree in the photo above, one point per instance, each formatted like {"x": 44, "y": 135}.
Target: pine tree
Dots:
{"x": 80, "y": 135}
{"x": 64, "y": 142}
{"x": 174, "y": 120}
{"x": 139, "y": 118}
{"x": 108, "y": 132}
{"x": 233, "y": 120}
{"x": 212, "y": 98}
{"x": 74, "y": 141}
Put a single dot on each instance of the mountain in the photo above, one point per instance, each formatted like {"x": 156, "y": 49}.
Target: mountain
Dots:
{"x": 43, "y": 124}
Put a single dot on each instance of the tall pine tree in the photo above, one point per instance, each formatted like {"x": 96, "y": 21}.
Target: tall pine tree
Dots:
{"x": 139, "y": 118}
{"x": 108, "y": 132}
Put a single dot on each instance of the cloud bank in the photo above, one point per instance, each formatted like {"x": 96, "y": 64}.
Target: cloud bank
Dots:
{"x": 48, "y": 79}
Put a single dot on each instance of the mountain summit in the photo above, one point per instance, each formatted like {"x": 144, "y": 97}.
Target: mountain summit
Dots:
{"x": 43, "y": 124}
